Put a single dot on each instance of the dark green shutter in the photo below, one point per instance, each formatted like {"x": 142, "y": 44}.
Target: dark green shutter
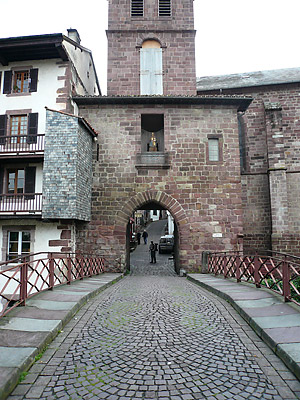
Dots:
{"x": 3, "y": 128}
{"x": 33, "y": 80}
{"x": 32, "y": 128}
{"x": 7, "y": 82}
{"x": 30, "y": 181}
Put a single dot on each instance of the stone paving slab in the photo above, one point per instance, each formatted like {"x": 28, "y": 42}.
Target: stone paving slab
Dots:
{"x": 276, "y": 322}
{"x": 158, "y": 337}
{"x": 26, "y": 331}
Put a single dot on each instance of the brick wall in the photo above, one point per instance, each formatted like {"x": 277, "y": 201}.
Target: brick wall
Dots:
{"x": 204, "y": 198}
{"x": 67, "y": 171}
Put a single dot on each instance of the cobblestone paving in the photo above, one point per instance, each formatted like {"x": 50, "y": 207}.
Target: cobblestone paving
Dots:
{"x": 157, "y": 338}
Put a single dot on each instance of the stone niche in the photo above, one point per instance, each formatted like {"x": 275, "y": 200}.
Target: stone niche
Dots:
{"x": 152, "y": 142}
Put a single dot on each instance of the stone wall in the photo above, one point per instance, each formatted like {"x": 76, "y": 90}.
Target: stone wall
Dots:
{"x": 271, "y": 177}
{"x": 67, "y": 173}
{"x": 125, "y": 38}
{"x": 203, "y": 197}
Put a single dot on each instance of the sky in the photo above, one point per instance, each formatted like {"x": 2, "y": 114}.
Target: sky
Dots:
{"x": 233, "y": 36}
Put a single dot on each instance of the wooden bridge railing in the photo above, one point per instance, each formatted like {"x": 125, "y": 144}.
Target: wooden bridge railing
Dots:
{"x": 278, "y": 271}
{"x": 23, "y": 277}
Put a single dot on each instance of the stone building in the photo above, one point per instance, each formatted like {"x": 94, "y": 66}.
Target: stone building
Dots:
{"x": 270, "y": 155}
{"x": 45, "y": 155}
{"x": 160, "y": 145}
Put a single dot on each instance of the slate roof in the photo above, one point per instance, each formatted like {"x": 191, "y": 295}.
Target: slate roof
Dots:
{"x": 250, "y": 79}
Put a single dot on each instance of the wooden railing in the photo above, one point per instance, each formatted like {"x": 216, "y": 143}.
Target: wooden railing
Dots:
{"x": 21, "y": 144}
{"x": 21, "y": 202}
{"x": 24, "y": 277}
{"x": 278, "y": 271}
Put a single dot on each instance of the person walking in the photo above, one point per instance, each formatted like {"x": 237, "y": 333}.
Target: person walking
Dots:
{"x": 145, "y": 237}
{"x": 138, "y": 236}
{"x": 152, "y": 249}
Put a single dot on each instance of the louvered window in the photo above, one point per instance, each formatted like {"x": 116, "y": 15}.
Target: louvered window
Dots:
{"x": 137, "y": 8}
{"x": 164, "y": 8}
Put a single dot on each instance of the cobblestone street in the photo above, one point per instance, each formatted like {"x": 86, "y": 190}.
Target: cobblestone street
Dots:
{"x": 154, "y": 337}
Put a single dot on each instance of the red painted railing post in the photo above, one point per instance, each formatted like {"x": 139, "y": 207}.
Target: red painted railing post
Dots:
{"x": 23, "y": 282}
{"x": 238, "y": 265}
{"x": 216, "y": 265}
{"x": 51, "y": 271}
{"x": 286, "y": 280}
{"x": 81, "y": 268}
{"x": 90, "y": 267}
{"x": 69, "y": 270}
{"x": 225, "y": 268}
{"x": 256, "y": 271}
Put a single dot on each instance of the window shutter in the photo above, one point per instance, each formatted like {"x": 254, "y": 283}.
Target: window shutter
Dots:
{"x": 0, "y": 79}
{"x": 7, "y": 82}
{"x": 32, "y": 128}
{"x": 137, "y": 8}
{"x": 33, "y": 80}
{"x": 1, "y": 180}
{"x": 151, "y": 71}
{"x": 30, "y": 182}
{"x": 3, "y": 128}
{"x": 164, "y": 8}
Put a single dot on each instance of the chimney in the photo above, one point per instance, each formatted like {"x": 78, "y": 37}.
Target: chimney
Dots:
{"x": 74, "y": 35}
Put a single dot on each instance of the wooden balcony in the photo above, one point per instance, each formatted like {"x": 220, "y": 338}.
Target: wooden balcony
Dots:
{"x": 25, "y": 145}
{"x": 22, "y": 204}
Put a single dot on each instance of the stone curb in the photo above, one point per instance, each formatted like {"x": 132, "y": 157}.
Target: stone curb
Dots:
{"x": 293, "y": 365}
{"x": 12, "y": 377}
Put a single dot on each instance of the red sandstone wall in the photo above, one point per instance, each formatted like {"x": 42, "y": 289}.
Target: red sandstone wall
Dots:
{"x": 126, "y": 35}
{"x": 204, "y": 198}
{"x": 279, "y": 145}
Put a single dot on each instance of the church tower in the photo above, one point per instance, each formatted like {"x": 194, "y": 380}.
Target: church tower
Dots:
{"x": 151, "y": 48}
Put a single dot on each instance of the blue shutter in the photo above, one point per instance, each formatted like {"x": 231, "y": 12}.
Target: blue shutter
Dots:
{"x": 151, "y": 81}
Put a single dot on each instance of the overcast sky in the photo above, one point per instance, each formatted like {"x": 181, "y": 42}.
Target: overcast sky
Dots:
{"x": 233, "y": 36}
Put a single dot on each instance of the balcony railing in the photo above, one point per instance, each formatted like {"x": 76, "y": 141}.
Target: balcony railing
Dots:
{"x": 20, "y": 203}
{"x": 29, "y": 144}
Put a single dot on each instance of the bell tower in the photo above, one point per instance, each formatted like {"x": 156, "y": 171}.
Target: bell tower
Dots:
{"x": 151, "y": 48}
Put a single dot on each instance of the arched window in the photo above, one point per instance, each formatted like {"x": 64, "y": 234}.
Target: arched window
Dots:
{"x": 151, "y": 80}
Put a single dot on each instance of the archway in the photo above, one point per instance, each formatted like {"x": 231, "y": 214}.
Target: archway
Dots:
{"x": 150, "y": 199}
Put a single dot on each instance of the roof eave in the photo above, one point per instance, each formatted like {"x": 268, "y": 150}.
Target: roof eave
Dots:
{"x": 242, "y": 103}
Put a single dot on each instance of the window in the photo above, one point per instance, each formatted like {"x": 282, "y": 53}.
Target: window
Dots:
{"x": 151, "y": 71}
{"x": 18, "y": 181}
{"x": 21, "y": 128}
{"x": 137, "y": 8}
{"x": 213, "y": 149}
{"x": 164, "y": 8}
{"x": 18, "y": 128}
{"x": 18, "y": 244}
{"x": 20, "y": 81}
{"x": 15, "y": 181}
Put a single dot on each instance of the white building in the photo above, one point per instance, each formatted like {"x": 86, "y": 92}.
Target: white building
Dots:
{"x": 38, "y": 72}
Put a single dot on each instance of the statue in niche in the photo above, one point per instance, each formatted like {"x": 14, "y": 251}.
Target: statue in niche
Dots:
{"x": 153, "y": 145}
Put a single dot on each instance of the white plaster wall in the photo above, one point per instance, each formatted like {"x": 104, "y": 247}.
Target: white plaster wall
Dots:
{"x": 48, "y": 85}
{"x": 82, "y": 62}
{"x": 43, "y": 233}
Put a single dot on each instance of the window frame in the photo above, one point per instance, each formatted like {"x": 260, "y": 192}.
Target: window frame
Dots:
{"x": 219, "y": 138}
{"x": 19, "y": 242}
{"x": 10, "y": 81}
{"x": 15, "y": 171}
